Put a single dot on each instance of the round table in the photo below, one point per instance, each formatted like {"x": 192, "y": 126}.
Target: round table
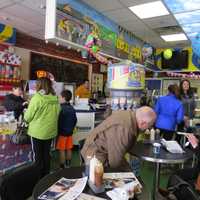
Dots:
{"x": 145, "y": 152}
{"x": 76, "y": 172}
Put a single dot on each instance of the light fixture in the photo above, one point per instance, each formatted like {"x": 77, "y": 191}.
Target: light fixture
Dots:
{"x": 149, "y": 10}
{"x": 174, "y": 37}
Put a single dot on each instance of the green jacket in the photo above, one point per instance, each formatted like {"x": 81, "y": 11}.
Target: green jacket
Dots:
{"x": 42, "y": 116}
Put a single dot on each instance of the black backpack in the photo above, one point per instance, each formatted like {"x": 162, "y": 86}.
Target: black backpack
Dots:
{"x": 181, "y": 189}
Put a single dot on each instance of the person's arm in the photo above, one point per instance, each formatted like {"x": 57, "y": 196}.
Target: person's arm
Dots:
{"x": 117, "y": 145}
{"x": 180, "y": 114}
{"x": 78, "y": 91}
{"x": 75, "y": 119}
{"x": 194, "y": 105}
{"x": 157, "y": 107}
{"x": 32, "y": 109}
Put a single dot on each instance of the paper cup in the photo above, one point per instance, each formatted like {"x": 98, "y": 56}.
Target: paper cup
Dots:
{"x": 156, "y": 148}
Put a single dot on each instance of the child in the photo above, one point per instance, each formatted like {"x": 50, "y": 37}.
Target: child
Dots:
{"x": 66, "y": 123}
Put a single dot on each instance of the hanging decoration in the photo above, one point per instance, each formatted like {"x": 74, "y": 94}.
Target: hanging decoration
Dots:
{"x": 92, "y": 47}
{"x": 147, "y": 50}
{"x": 184, "y": 75}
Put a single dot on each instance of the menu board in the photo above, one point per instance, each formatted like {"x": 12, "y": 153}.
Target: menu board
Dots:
{"x": 62, "y": 70}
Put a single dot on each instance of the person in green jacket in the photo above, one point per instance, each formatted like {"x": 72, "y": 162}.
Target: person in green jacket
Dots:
{"x": 42, "y": 118}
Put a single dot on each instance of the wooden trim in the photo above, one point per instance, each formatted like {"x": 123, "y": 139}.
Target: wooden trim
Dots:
{"x": 60, "y": 57}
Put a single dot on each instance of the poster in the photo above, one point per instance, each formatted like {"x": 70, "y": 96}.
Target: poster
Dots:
{"x": 32, "y": 87}
{"x": 97, "y": 82}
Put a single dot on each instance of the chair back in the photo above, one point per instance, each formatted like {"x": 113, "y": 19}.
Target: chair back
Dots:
{"x": 19, "y": 183}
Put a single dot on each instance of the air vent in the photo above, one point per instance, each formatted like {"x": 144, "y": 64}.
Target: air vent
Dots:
{"x": 168, "y": 30}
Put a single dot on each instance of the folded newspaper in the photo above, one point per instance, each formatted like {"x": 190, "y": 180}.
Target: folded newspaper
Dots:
{"x": 124, "y": 185}
{"x": 172, "y": 146}
{"x": 64, "y": 189}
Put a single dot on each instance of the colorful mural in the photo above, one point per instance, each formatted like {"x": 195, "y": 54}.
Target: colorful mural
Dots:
{"x": 7, "y": 34}
{"x": 76, "y": 20}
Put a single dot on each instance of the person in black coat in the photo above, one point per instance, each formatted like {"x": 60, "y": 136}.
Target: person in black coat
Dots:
{"x": 15, "y": 102}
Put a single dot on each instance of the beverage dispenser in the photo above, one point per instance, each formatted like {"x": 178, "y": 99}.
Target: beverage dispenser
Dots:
{"x": 126, "y": 80}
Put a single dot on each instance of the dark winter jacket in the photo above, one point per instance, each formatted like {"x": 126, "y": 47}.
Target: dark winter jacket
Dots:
{"x": 67, "y": 120}
{"x": 14, "y": 103}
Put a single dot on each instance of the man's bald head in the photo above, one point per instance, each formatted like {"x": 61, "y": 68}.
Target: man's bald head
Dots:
{"x": 145, "y": 117}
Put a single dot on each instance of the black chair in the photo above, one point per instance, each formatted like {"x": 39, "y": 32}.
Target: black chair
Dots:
{"x": 19, "y": 183}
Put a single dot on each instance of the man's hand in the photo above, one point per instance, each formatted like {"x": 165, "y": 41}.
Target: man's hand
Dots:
{"x": 192, "y": 140}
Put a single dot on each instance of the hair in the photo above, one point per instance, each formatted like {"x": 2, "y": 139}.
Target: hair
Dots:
{"x": 189, "y": 92}
{"x": 67, "y": 95}
{"x": 16, "y": 86}
{"x": 46, "y": 85}
{"x": 85, "y": 80}
{"x": 174, "y": 89}
{"x": 146, "y": 113}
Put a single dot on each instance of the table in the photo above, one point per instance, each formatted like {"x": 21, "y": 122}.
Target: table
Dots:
{"x": 11, "y": 155}
{"x": 145, "y": 152}
{"x": 76, "y": 172}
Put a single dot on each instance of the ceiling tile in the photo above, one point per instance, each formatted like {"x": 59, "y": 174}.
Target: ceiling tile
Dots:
{"x": 132, "y": 24}
{"x": 163, "y": 21}
{"x": 128, "y": 3}
{"x": 22, "y": 12}
{"x": 4, "y": 3}
{"x": 177, "y": 6}
{"x": 37, "y": 35}
{"x": 104, "y": 5}
{"x": 37, "y": 5}
{"x": 19, "y": 23}
{"x": 120, "y": 15}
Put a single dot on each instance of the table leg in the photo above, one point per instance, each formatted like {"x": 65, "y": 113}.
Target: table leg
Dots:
{"x": 156, "y": 181}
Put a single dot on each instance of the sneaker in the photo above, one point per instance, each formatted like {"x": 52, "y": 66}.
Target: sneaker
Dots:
{"x": 68, "y": 163}
{"x": 62, "y": 166}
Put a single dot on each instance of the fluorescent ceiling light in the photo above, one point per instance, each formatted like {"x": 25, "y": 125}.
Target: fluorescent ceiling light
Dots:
{"x": 149, "y": 10}
{"x": 174, "y": 37}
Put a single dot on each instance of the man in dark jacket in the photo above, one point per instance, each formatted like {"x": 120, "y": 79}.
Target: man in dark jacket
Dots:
{"x": 15, "y": 102}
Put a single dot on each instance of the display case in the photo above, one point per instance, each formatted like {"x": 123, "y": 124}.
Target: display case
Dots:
{"x": 10, "y": 70}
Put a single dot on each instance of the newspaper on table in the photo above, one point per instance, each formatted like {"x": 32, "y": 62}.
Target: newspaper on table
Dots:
{"x": 84, "y": 196}
{"x": 172, "y": 146}
{"x": 124, "y": 185}
{"x": 64, "y": 189}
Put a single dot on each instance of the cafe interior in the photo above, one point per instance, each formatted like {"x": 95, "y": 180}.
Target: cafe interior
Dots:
{"x": 99, "y": 99}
